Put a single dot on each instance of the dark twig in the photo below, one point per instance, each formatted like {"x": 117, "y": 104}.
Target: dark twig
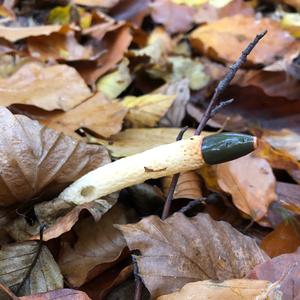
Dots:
{"x": 38, "y": 253}
{"x": 167, "y": 206}
{"x": 223, "y": 84}
{"x": 220, "y": 106}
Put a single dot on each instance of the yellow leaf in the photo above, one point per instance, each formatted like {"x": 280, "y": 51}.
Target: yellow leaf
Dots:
{"x": 190, "y": 2}
{"x": 146, "y": 111}
{"x": 60, "y": 15}
{"x": 113, "y": 84}
{"x": 291, "y": 22}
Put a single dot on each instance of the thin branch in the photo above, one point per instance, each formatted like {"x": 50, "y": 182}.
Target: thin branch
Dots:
{"x": 38, "y": 253}
{"x": 220, "y": 106}
{"x": 167, "y": 206}
{"x": 223, "y": 84}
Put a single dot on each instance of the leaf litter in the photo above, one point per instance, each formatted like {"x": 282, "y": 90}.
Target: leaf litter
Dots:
{"x": 83, "y": 83}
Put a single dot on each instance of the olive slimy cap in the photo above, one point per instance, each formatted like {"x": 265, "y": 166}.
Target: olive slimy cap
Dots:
{"x": 223, "y": 147}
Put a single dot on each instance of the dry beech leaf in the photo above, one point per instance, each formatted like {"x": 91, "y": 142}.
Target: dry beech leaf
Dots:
{"x": 14, "y": 34}
{"x": 285, "y": 238}
{"x": 58, "y": 46}
{"x": 234, "y": 289}
{"x": 188, "y": 186}
{"x": 115, "y": 43}
{"x": 97, "y": 245}
{"x": 58, "y": 217}
{"x": 98, "y": 114}
{"x": 147, "y": 110}
{"x": 174, "y": 17}
{"x": 44, "y": 86}
{"x": 34, "y": 157}
{"x": 284, "y": 140}
{"x": 15, "y": 261}
{"x": 226, "y": 38}
{"x": 251, "y": 183}
{"x": 136, "y": 140}
{"x": 285, "y": 269}
{"x": 177, "y": 111}
{"x": 199, "y": 249}
{"x": 65, "y": 294}
{"x": 288, "y": 196}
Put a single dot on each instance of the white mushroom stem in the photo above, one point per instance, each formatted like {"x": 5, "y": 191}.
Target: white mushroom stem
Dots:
{"x": 158, "y": 162}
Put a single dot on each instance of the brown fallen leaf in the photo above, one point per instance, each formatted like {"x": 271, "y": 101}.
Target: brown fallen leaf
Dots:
{"x": 16, "y": 260}
{"x": 59, "y": 46}
{"x": 274, "y": 84}
{"x": 14, "y": 34}
{"x": 44, "y": 86}
{"x": 288, "y": 196}
{"x": 57, "y": 217}
{"x": 188, "y": 186}
{"x": 66, "y": 294}
{"x": 285, "y": 140}
{"x": 285, "y": 238}
{"x": 251, "y": 183}
{"x": 97, "y": 245}
{"x": 95, "y": 3}
{"x": 98, "y": 114}
{"x": 34, "y": 158}
{"x": 135, "y": 140}
{"x": 115, "y": 43}
{"x": 285, "y": 269}
{"x": 234, "y": 289}
{"x": 226, "y": 38}
{"x": 147, "y": 110}
{"x": 199, "y": 249}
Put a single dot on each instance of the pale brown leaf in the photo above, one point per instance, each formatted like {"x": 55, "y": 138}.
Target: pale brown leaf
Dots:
{"x": 34, "y": 157}
{"x": 15, "y": 261}
{"x": 136, "y": 140}
{"x": 226, "y": 38}
{"x": 95, "y": 3}
{"x": 188, "y": 186}
{"x": 98, "y": 114}
{"x": 14, "y": 34}
{"x": 251, "y": 183}
{"x": 47, "y": 87}
{"x": 65, "y": 294}
{"x": 97, "y": 245}
{"x": 234, "y": 289}
{"x": 179, "y": 250}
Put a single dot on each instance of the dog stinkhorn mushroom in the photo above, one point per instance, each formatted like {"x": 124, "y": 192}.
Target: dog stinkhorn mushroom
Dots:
{"x": 177, "y": 157}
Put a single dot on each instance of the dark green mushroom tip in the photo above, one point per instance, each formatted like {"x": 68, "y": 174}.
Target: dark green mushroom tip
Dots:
{"x": 223, "y": 147}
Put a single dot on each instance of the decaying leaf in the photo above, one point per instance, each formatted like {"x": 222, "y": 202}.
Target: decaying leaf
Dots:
{"x": 284, "y": 139}
{"x": 44, "y": 86}
{"x": 226, "y": 38}
{"x": 199, "y": 249}
{"x": 95, "y": 3}
{"x": 234, "y": 289}
{"x": 284, "y": 239}
{"x": 98, "y": 114}
{"x": 177, "y": 111}
{"x": 34, "y": 158}
{"x": 251, "y": 183}
{"x": 188, "y": 186}
{"x": 14, "y": 34}
{"x": 15, "y": 261}
{"x": 113, "y": 84}
{"x": 285, "y": 269}
{"x": 135, "y": 140}
{"x": 97, "y": 245}
{"x": 288, "y": 196}
{"x": 66, "y": 294}
{"x": 146, "y": 111}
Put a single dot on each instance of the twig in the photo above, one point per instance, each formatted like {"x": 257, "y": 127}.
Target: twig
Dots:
{"x": 40, "y": 246}
{"x": 220, "y": 106}
{"x": 223, "y": 84}
{"x": 212, "y": 109}
{"x": 167, "y": 206}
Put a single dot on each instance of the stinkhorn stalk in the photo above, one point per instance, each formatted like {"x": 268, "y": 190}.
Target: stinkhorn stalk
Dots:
{"x": 165, "y": 160}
